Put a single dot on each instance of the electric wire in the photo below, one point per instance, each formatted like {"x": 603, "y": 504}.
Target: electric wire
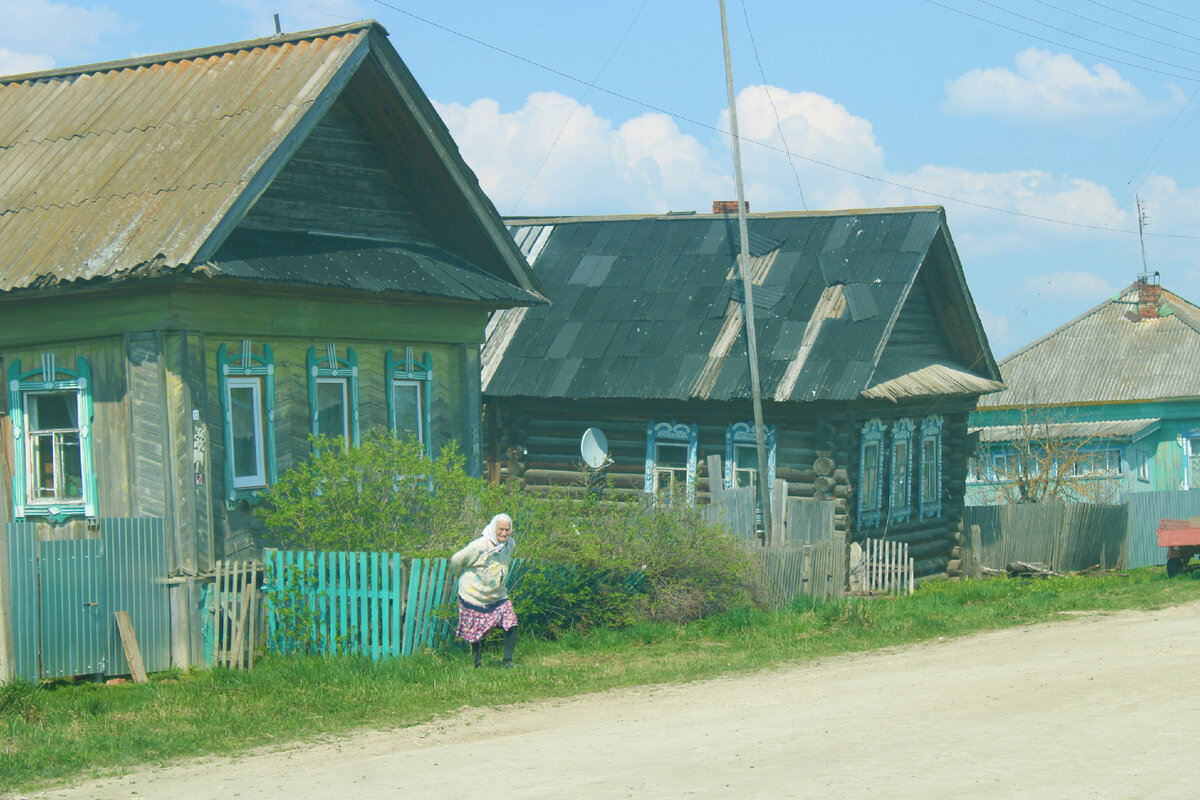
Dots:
{"x": 1111, "y": 27}
{"x": 771, "y": 100}
{"x": 810, "y": 160}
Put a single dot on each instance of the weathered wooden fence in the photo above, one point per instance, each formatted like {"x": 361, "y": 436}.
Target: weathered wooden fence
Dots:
{"x": 1064, "y": 536}
{"x": 235, "y": 622}
{"x": 816, "y": 570}
{"x": 886, "y": 567}
{"x": 796, "y": 521}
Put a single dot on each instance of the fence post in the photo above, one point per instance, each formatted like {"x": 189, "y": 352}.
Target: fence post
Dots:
{"x": 976, "y": 553}
{"x": 716, "y": 479}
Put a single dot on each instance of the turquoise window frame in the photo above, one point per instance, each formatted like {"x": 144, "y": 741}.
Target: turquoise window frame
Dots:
{"x": 900, "y": 480}
{"x": 329, "y": 365}
{"x": 51, "y": 377}
{"x": 743, "y": 433}
{"x": 410, "y": 369}
{"x": 931, "y": 431}
{"x": 870, "y": 498}
{"x": 248, "y": 364}
{"x": 674, "y": 433}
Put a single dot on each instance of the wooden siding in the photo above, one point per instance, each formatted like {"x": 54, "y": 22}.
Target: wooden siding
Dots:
{"x": 234, "y": 311}
{"x": 335, "y": 181}
{"x": 237, "y": 531}
{"x": 917, "y": 336}
{"x": 536, "y": 446}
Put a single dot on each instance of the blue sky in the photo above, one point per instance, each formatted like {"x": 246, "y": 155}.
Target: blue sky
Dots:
{"x": 1034, "y": 122}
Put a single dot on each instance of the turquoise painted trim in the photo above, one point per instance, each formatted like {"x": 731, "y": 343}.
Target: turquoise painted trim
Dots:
{"x": 410, "y": 369}
{"x": 671, "y": 432}
{"x": 330, "y": 365}
{"x": 47, "y": 378}
{"x": 900, "y": 483}
{"x": 744, "y": 433}
{"x": 870, "y": 498}
{"x": 247, "y": 363}
{"x": 931, "y": 429}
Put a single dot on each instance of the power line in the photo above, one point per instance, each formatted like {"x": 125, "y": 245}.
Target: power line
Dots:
{"x": 766, "y": 146}
{"x": 1166, "y": 10}
{"x": 1063, "y": 45}
{"x": 1103, "y": 24}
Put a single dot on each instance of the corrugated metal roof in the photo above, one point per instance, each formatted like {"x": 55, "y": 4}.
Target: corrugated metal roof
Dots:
{"x": 657, "y": 297}
{"x": 1114, "y": 429}
{"x": 120, "y": 169}
{"x": 1104, "y": 357}
{"x": 106, "y": 169}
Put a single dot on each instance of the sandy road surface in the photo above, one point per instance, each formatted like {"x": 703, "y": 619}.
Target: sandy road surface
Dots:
{"x": 1094, "y": 706}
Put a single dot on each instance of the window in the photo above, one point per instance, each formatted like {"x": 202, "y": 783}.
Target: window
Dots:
{"x": 246, "y": 429}
{"x": 409, "y": 392}
{"x": 1143, "y": 466}
{"x": 870, "y": 483}
{"x": 51, "y": 411}
{"x": 671, "y": 462}
{"x": 741, "y": 455}
{"x": 1097, "y": 462}
{"x": 333, "y": 394}
{"x": 247, "y": 388}
{"x": 929, "y": 495}
{"x": 977, "y": 468}
{"x": 1193, "y": 461}
{"x": 900, "y": 491}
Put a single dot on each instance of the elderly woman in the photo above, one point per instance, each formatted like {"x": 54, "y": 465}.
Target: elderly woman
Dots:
{"x": 482, "y": 599}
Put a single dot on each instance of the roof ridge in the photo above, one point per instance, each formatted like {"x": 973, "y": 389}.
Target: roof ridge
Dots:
{"x": 524, "y": 221}
{"x": 192, "y": 54}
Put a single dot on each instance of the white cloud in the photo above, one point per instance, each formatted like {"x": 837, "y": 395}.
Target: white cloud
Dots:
{"x": 16, "y": 63}
{"x": 62, "y": 29}
{"x": 1070, "y": 285}
{"x": 554, "y": 155}
{"x": 1046, "y": 86}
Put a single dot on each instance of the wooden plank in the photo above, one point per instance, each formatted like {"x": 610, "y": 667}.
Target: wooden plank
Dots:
{"x": 240, "y": 632}
{"x": 133, "y": 653}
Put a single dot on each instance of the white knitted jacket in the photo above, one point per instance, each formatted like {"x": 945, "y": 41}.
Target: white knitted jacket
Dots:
{"x": 483, "y": 575}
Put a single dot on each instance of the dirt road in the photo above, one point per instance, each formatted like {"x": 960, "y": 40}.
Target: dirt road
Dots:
{"x": 1104, "y": 706}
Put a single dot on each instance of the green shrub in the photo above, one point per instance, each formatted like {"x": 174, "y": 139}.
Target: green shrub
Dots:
{"x": 387, "y": 495}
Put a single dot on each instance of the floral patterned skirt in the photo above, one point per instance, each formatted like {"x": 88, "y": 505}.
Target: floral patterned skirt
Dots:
{"x": 475, "y": 621}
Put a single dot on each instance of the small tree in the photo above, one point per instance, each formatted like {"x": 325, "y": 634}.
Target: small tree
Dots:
{"x": 1047, "y": 457}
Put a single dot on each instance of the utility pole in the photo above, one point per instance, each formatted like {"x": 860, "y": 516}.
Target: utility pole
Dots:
{"x": 764, "y": 491}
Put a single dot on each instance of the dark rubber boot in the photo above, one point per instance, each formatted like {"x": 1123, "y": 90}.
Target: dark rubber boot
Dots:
{"x": 477, "y": 652}
{"x": 510, "y": 644}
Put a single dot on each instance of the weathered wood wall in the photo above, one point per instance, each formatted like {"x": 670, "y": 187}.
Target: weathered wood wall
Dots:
{"x": 535, "y": 444}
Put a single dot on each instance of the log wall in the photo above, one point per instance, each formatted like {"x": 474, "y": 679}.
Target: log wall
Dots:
{"x": 534, "y": 444}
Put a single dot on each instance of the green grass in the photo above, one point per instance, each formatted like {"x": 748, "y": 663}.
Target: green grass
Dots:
{"x": 62, "y": 731}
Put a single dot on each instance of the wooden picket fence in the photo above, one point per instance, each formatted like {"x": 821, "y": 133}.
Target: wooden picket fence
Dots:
{"x": 235, "y": 613}
{"x": 887, "y": 568}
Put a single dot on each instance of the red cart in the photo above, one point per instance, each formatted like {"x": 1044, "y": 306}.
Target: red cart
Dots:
{"x": 1181, "y": 537}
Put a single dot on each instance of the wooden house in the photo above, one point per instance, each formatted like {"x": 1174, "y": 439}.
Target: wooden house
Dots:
{"x": 871, "y": 356}
{"x": 205, "y": 257}
{"x": 1108, "y": 404}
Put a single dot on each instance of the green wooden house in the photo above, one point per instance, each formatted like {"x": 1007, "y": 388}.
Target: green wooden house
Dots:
{"x": 1106, "y": 405}
{"x": 205, "y": 257}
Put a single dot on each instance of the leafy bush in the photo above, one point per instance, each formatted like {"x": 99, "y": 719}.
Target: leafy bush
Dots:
{"x": 387, "y": 495}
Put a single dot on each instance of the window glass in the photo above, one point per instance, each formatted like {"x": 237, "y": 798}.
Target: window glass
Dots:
{"x": 245, "y": 401}
{"x": 929, "y": 470}
{"x": 745, "y": 465}
{"x": 870, "y": 475}
{"x": 408, "y": 407}
{"x": 900, "y": 476}
{"x": 670, "y": 470}
{"x": 332, "y": 403}
{"x": 55, "y": 460}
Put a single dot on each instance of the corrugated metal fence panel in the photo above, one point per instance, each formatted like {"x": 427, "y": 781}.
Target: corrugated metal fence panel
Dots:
{"x": 22, "y": 589}
{"x": 809, "y": 521}
{"x": 1146, "y": 511}
{"x": 72, "y": 607}
{"x": 135, "y": 566}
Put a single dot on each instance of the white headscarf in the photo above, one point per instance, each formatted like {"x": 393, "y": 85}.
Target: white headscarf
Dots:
{"x": 489, "y": 533}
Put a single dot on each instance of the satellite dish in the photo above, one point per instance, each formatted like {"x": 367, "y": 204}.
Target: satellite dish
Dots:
{"x": 594, "y": 448}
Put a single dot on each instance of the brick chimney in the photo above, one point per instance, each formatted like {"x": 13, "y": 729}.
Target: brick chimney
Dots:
{"x": 1149, "y": 296}
{"x": 728, "y": 206}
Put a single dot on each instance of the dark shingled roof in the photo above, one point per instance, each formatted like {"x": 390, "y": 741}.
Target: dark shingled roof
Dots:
{"x": 639, "y": 306}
